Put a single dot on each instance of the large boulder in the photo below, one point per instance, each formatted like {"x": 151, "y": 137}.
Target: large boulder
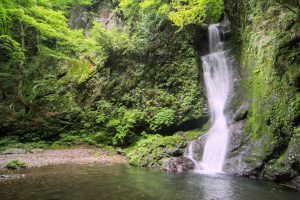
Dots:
{"x": 177, "y": 164}
{"x": 241, "y": 159}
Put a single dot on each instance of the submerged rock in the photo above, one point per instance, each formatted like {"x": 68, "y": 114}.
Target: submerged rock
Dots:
{"x": 177, "y": 164}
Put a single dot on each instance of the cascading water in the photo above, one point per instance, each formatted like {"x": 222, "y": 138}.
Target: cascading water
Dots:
{"x": 218, "y": 82}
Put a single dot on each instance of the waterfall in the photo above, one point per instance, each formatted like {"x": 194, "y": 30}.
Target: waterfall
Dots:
{"x": 218, "y": 83}
{"x": 190, "y": 155}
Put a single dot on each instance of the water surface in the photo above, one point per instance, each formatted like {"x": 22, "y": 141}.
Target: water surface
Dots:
{"x": 101, "y": 182}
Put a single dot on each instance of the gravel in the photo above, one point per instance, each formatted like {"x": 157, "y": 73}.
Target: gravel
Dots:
{"x": 64, "y": 156}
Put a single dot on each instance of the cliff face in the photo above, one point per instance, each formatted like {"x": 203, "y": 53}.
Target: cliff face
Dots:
{"x": 265, "y": 108}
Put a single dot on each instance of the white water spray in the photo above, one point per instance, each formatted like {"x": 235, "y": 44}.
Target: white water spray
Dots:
{"x": 190, "y": 155}
{"x": 218, "y": 83}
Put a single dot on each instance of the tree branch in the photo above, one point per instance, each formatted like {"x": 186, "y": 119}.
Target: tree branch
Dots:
{"x": 288, "y": 7}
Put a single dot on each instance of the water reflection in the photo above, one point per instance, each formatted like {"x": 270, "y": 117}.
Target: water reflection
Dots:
{"x": 217, "y": 186}
{"x": 100, "y": 182}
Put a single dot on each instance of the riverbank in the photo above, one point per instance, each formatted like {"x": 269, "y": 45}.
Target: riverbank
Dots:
{"x": 41, "y": 157}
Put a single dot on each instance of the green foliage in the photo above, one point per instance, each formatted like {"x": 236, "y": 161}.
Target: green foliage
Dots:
{"x": 111, "y": 40}
{"x": 180, "y": 12}
{"x": 67, "y": 140}
{"x": 125, "y": 125}
{"x": 64, "y": 5}
{"x": 15, "y": 164}
{"x": 269, "y": 80}
{"x": 102, "y": 138}
{"x": 104, "y": 87}
{"x": 191, "y": 135}
{"x": 164, "y": 117}
{"x": 7, "y": 141}
{"x": 151, "y": 149}
{"x": 187, "y": 12}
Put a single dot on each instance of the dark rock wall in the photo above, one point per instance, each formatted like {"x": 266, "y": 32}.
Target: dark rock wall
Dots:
{"x": 265, "y": 107}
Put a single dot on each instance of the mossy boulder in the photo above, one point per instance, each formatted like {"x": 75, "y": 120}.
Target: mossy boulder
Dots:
{"x": 150, "y": 151}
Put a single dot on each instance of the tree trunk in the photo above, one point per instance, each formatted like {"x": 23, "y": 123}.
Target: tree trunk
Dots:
{"x": 22, "y": 78}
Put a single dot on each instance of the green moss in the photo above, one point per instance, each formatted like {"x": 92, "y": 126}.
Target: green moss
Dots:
{"x": 191, "y": 135}
{"x": 269, "y": 72}
{"x": 150, "y": 150}
{"x": 15, "y": 164}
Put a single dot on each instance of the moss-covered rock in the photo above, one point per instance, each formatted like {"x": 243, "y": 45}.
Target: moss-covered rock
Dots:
{"x": 153, "y": 148}
{"x": 267, "y": 73}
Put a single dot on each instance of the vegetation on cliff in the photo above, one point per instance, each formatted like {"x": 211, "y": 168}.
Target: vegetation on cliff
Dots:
{"x": 127, "y": 68}
{"x": 269, "y": 81}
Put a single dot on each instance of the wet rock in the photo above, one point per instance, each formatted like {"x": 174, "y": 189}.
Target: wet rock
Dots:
{"x": 242, "y": 112}
{"x": 278, "y": 171}
{"x": 242, "y": 159}
{"x": 14, "y": 151}
{"x": 237, "y": 130}
{"x": 178, "y": 151}
{"x": 121, "y": 152}
{"x": 198, "y": 147}
{"x": 174, "y": 152}
{"x": 177, "y": 164}
{"x": 285, "y": 167}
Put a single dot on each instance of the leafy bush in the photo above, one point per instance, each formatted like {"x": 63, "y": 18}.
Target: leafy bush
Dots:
{"x": 150, "y": 150}
{"x": 125, "y": 124}
{"x": 164, "y": 117}
{"x": 72, "y": 140}
{"x": 6, "y": 141}
{"x": 15, "y": 164}
{"x": 12, "y": 142}
{"x": 102, "y": 138}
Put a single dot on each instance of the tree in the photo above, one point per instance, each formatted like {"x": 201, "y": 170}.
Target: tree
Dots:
{"x": 45, "y": 29}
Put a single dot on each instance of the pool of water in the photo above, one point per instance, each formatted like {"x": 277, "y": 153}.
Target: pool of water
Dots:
{"x": 101, "y": 182}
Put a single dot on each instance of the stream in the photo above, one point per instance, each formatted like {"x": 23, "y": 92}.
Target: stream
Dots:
{"x": 120, "y": 181}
